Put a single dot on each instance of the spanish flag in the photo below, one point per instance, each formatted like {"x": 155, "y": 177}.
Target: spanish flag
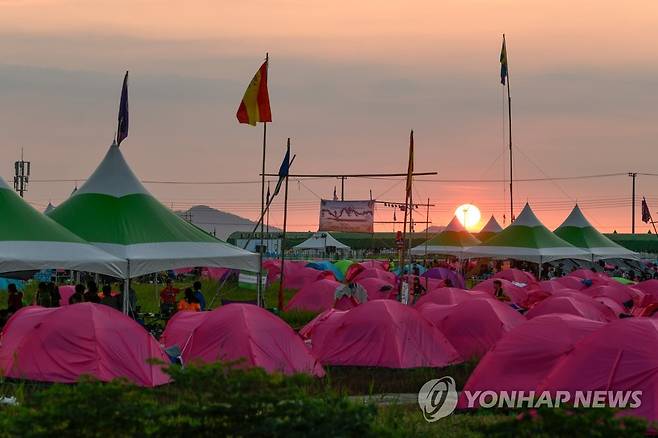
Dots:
{"x": 410, "y": 169}
{"x": 255, "y": 105}
{"x": 503, "y": 63}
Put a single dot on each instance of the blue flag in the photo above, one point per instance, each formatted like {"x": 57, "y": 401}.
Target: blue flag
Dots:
{"x": 122, "y": 130}
{"x": 283, "y": 171}
{"x": 503, "y": 63}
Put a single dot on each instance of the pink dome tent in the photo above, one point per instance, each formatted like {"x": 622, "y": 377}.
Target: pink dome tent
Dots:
{"x": 620, "y": 356}
{"x": 62, "y": 344}
{"x": 525, "y": 356}
{"x": 516, "y": 275}
{"x": 449, "y": 295}
{"x": 317, "y": 296}
{"x": 516, "y": 294}
{"x": 302, "y": 276}
{"x": 376, "y": 273}
{"x": 573, "y": 305}
{"x": 359, "y": 267}
{"x": 435, "y": 313}
{"x": 620, "y": 293}
{"x": 378, "y": 289}
{"x": 648, "y": 287}
{"x": 384, "y": 333}
{"x": 240, "y": 332}
{"x": 570, "y": 282}
{"x": 65, "y": 293}
{"x": 474, "y": 326}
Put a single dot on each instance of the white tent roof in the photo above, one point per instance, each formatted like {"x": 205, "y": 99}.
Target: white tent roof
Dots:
{"x": 321, "y": 240}
{"x": 492, "y": 226}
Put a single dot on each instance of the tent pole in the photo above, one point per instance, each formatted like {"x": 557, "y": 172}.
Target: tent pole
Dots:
{"x": 283, "y": 243}
{"x": 126, "y": 291}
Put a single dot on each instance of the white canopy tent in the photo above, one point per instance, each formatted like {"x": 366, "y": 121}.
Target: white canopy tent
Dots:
{"x": 320, "y": 241}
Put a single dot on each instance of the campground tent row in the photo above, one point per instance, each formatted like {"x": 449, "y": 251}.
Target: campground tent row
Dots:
{"x": 527, "y": 239}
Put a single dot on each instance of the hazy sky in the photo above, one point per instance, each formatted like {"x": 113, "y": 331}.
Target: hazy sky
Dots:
{"x": 347, "y": 81}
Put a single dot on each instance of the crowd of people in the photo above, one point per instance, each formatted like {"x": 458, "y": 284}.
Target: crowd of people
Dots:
{"x": 48, "y": 295}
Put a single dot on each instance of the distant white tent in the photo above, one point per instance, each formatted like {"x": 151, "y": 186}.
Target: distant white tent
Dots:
{"x": 320, "y": 241}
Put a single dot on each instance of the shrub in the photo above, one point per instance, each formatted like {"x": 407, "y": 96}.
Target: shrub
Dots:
{"x": 213, "y": 400}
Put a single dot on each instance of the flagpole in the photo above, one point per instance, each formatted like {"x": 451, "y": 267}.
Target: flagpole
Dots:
{"x": 267, "y": 226}
{"x": 509, "y": 119}
{"x": 259, "y": 293}
{"x": 283, "y": 239}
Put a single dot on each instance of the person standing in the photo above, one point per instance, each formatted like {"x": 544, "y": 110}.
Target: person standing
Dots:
{"x": 78, "y": 295}
{"x": 189, "y": 303}
{"x": 198, "y": 295}
{"x": 15, "y": 299}
{"x": 168, "y": 297}
{"x": 91, "y": 295}
{"x": 109, "y": 299}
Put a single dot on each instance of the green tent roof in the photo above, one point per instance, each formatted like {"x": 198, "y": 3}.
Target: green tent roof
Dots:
{"x": 527, "y": 239}
{"x": 578, "y": 231}
{"x": 114, "y": 211}
{"x": 453, "y": 240}
{"x": 30, "y": 240}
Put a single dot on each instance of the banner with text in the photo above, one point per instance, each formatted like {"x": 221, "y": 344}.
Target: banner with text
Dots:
{"x": 350, "y": 216}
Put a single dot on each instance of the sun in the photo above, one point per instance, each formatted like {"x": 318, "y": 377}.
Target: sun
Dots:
{"x": 468, "y": 215}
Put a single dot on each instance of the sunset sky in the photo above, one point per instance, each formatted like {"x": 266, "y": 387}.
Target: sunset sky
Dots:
{"x": 348, "y": 80}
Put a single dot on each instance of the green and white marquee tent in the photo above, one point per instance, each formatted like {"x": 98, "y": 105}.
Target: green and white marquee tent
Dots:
{"x": 453, "y": 240}
{"x": 578, "y": 231}
{"x": 30, "y": 240}
{"x": 115, "y": 212}
{"x": 528, "y": 239}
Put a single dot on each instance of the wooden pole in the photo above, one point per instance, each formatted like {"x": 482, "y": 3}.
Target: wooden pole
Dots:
{"x": 259, "y": 289}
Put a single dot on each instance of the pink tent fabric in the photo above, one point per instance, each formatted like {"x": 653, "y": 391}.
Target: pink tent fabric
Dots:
{"x": 435, "y": 313}
{"x": 612, "y": 304}
{"x": 619, "y": 293}
{"x": 449, "y": 295}
{"x": 317, "y": 296}
{"x": 384, "y": 333}
{"x": 346, "y": 303}
{"x": 620, "y": 356}
{"x": 474, "y": 326}
{"x": 536, "y": 295}
{"x": 215, "y": 273}
{"x": 240, "y": 332}
{"x": 515, "y": 293}
{"x": 551, "y": 285}
{"x": 298, "y": 277}
{"x": 65, "y": 293}
{"x": 580, "y": 306}
{"x": 525, "y": 356}
{"x": 648, "y": 287}
{"x": 356, "y": 268}
{"x": 570, "y": 282}
{"x": 376, "y": 273}
{"x": 378, "y": 289}
{"x": 516, "y": 275}
{"x": 322, "y": 319}
{"x": 61, "y": 344}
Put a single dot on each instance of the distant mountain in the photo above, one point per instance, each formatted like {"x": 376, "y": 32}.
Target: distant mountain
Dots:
{"x": 217, "y": 221}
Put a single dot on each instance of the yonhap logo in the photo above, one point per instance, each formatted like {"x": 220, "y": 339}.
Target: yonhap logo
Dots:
{"x": 438, "y": 398}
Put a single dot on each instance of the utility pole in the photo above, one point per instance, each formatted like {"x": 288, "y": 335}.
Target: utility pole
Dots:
{"x": 633, "y": 175}
{"x": 21, "y": 175}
